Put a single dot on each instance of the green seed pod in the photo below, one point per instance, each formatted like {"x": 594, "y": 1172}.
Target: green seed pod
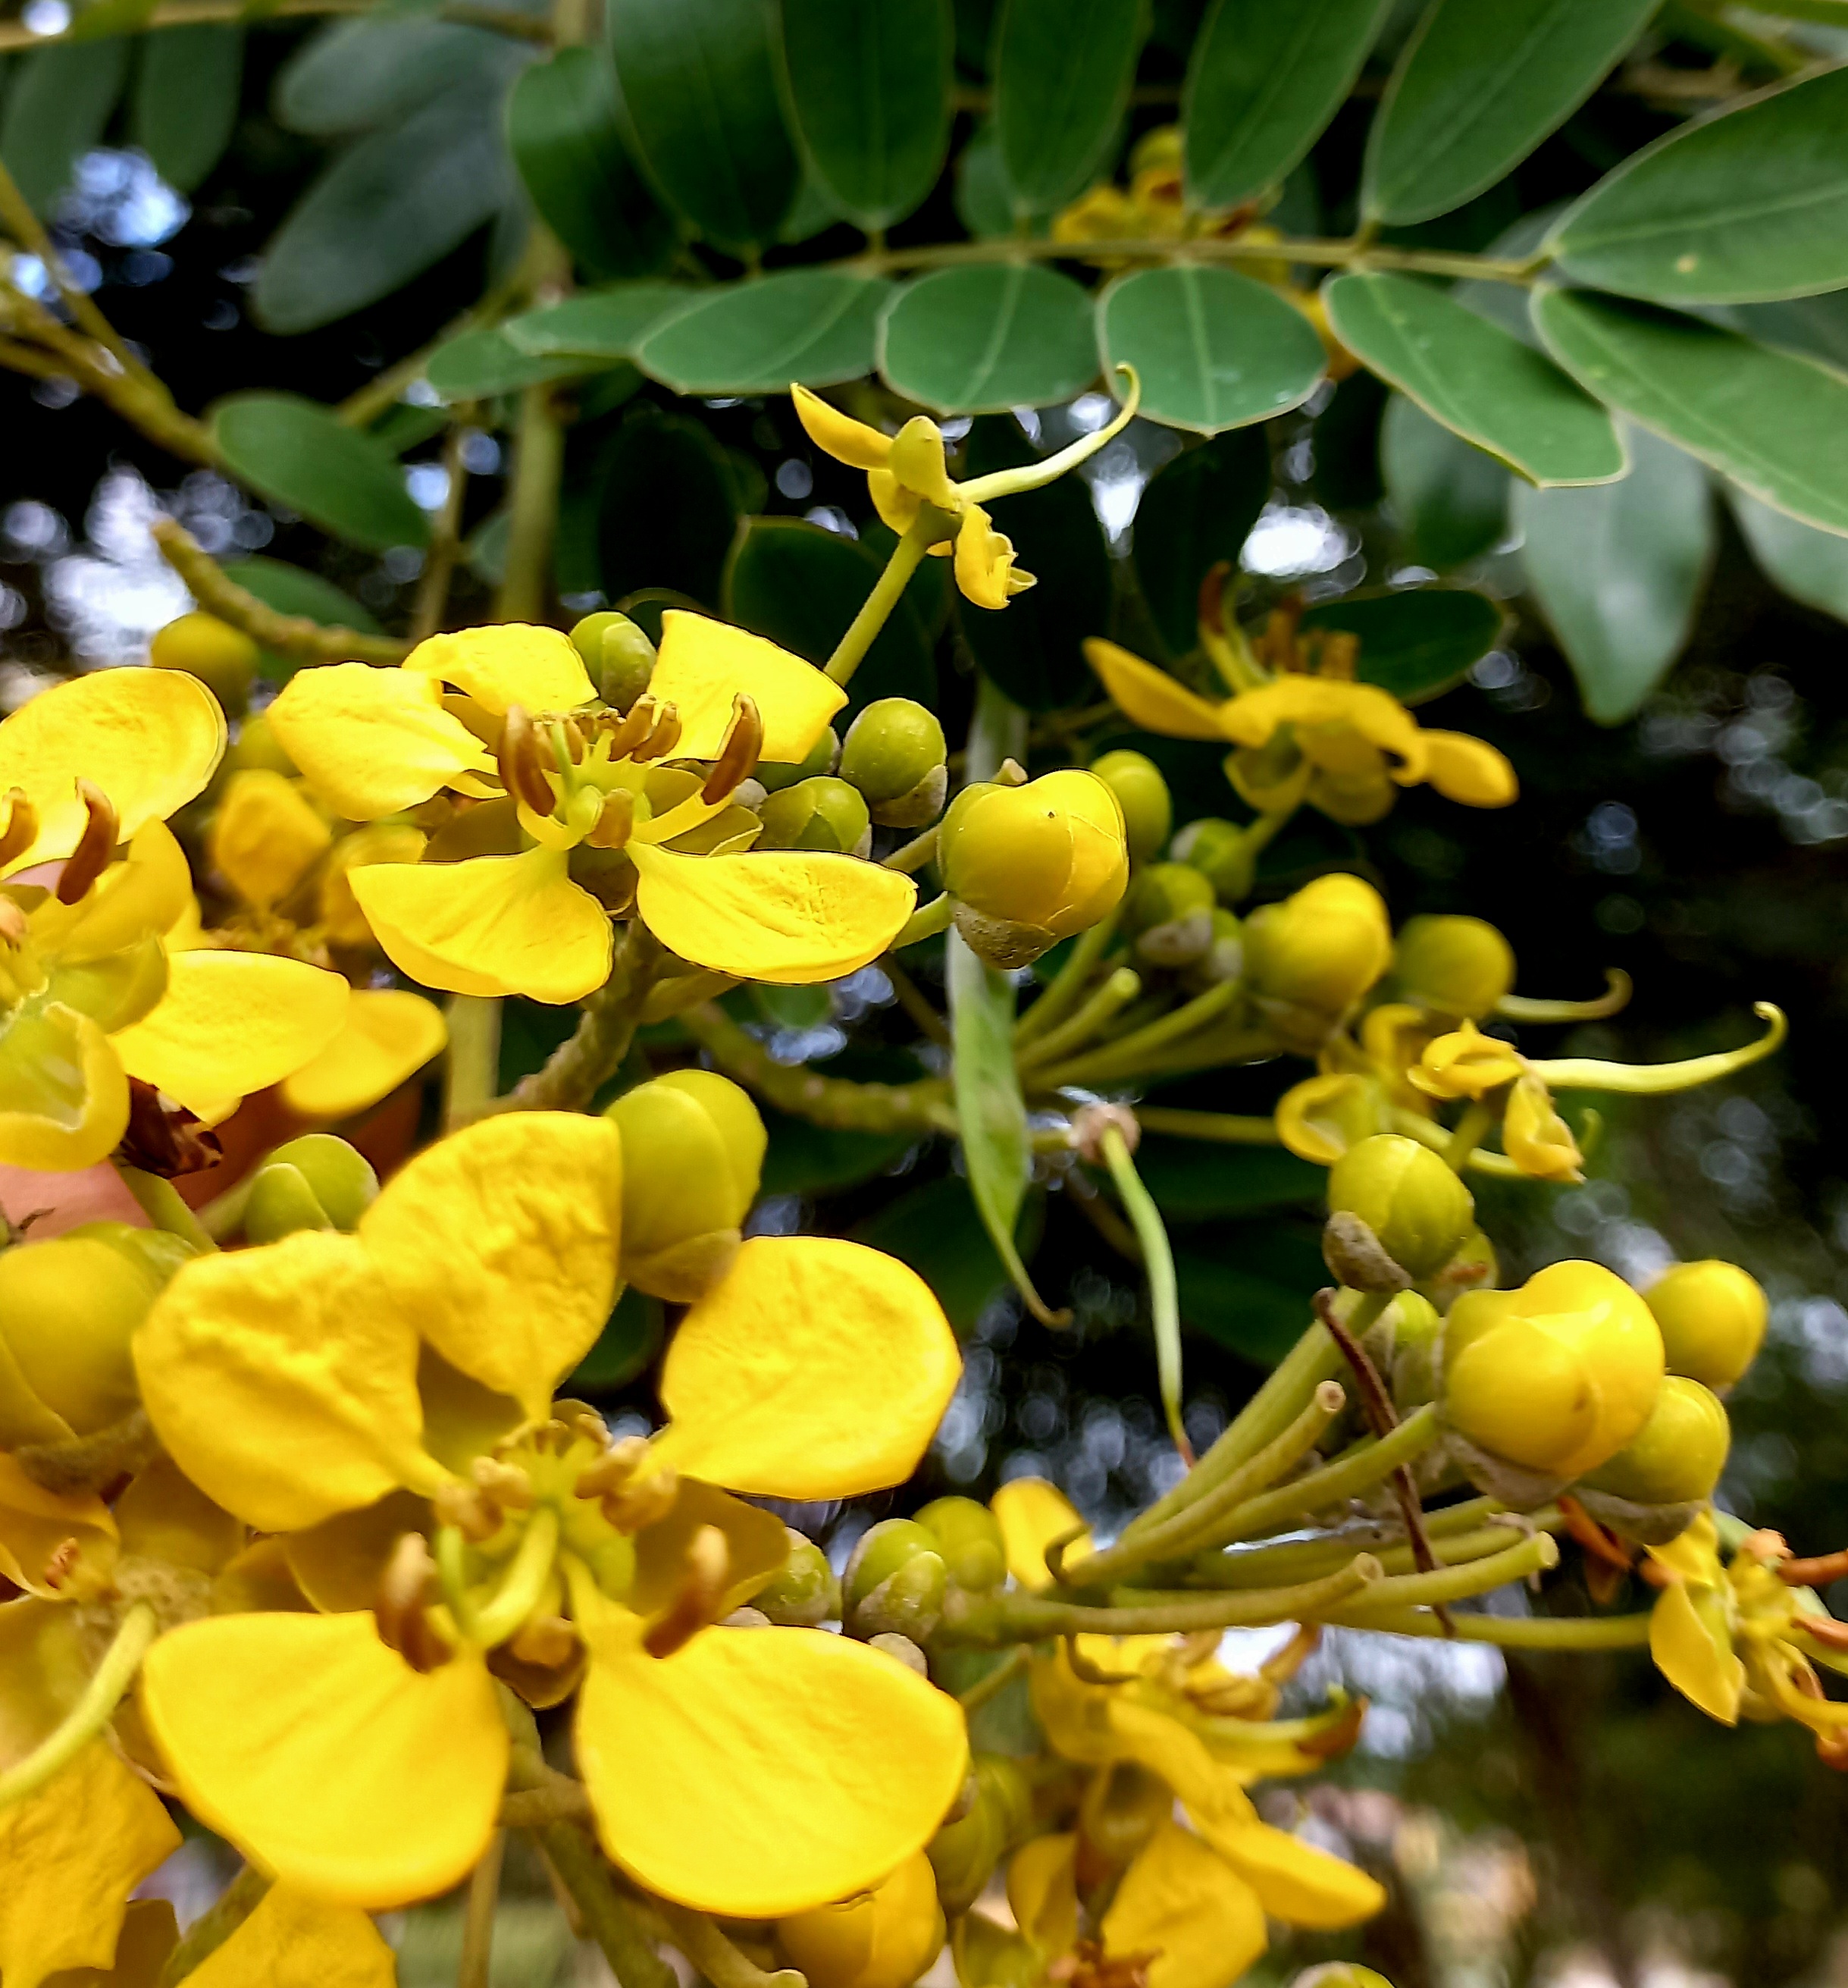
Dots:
{"x": 823, "y": 813}
{"x": 68, "y": 1308}
{"x": 1456, "y": 966}
{"x": 1679, "y": 1454}
{"x": 1220, "y": 852}
{"x": 968, "y": 1536}
{"x": 1419, "y": 1209}
{"x": 894, "y": 754}
{"x": 340, "y": 1176}
{"x": 824, "y": 755}
{"x": 895, "y": 1581}
{"x": 1148, "y": 808}
{"x": 280, "y": 1203}
{"x": 963, "y": 1854}
{"x": 619, "y": 656}
{"x": 1712, "y": 1316}
{"x": 805, "y": 1592}
{"x": 223, "y": 658}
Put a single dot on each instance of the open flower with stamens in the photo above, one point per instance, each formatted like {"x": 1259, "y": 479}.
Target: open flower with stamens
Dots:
{"x": 567, "y": 811}
{"x": 347, "y": 1392}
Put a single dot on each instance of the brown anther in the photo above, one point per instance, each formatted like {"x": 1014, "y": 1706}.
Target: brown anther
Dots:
{"x": 547, "y": 1640}
{"x": 644, "y": 1501}
{"x": 476, "y": 1517}
{"x": 575, "y": 744}
{"x": 21, "y": 830}
{"x": 663, "y": 739}
{"x": 632, "y": 729}
{"x": 700, "y": 1597}
{"x": 164, "y": 1138}
{"x": 402, "y": 1609}
{"x": 14, "y": 925}
{"x": 614, "y": 824}
{"x": 1816, "y": 1573}
{"x": 618, "y": 1464}
{"x": 521, "y": 770}
{"x": 737, "y": 760}
{"x": 1598, "y": 1542}
{"x": 503, "y": 1484}
{"x": 1211, "y": 610}
{"x": 95, "y": 847}
{"x": 1284, "y": 1664}
{"x": 59, "y": 1563}
{"x": 1826, "y": 1630}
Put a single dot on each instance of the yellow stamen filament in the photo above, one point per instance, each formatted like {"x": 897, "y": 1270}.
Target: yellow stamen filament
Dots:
{"x": 737, "y": 758}
{"x": 518, "y": 758}
{"x": 697, "y": 1604}
{"x": 90, "y": 858}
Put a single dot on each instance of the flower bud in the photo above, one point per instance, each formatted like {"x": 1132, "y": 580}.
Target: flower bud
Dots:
{"x": 1169, "y": 913}
{"x": 257, "y": 748}
{"x": 823, "y": 813}
{"x": 968, "y": 1537}
{"x": 693, "y": 1150}
{"x": 68, "y": 1310}
{"x": 1221, "y": 851}
{"x": 1712, "y": 1317}
{"x": 222, "y": 657}
{"x": 619, "y": 656}
{"x": 1419, "y": 1209}
{"x": 895, "y": 1581}
{"x": 1679, "y": 1454}
{"x": 823, "y": 757}
{"x": 315, "y": 1181}
{"x": 805, "y": 1591}
{"x": 157, "y": 1251}
{"x": 1311, "y": 958}
{"x": 1148, "y": 808}
{"x": 883, "y": 1938}
{"x": 1555, "y": 1377}
{"x": 1456, "y": 966}
{"x": 963, "y": 1855}
{"x": 1340, "y": 1974}
{"x": 1121, "y": 1810}
{"x": 894, "y": 754}
{"x": 1405, "y": 1341}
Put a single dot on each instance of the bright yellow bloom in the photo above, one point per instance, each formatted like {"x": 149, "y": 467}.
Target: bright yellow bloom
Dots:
{"x": 501, "y": 904}
{"x": 309, "y": 1385}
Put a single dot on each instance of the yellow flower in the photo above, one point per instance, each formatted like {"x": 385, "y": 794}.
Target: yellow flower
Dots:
{"x": 573, "y": 789}
{"x": 310, "y": 1385}
{"x": 907, "y": 471}
{"x": 1340, "y": 745}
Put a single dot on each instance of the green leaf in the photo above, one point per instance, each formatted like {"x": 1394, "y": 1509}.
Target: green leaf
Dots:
{"x": 869, "y": 91}
{"x": 1214, "y": 350}
{"x": 387, "y": 208}
{"x": 801, "y": 586}
{"x": 813, "y": 327}
{"x": 1809, "y": 565}
{"x": 296, "y": 453}
{"x": 806, "y": 1158}
{"x": 478, "y": 365}
{"x": 1476, "y": 88}
{"x": 1264, "y": 82}
{"x": 57, "y": 108}
{"x": 982, "y": 204}
{"x": 698, "y": 79}
{"x": 290, "y": 590}
{"x": 606, "y": 323}
{"x": 564, "y": 131}
{"x": 1746, "y": 209}
{"x": 1032, "y": 647}
{"x": 983, "y": 340}
{"x": 370, "y": 74}
{"x": 1193, "y": 1180}
{"x": 184, "y": 105}
{"x": 405, "y": 423}
{"x": 1063, "y": 72}
{"x": 628, "y": 1342}
{"x": 1618, "y": 571}
{"x": 1451, "y": 500}
{"x": 1251, "y": 1292}
{"x": 1815, "y": 326}
{"x": 937, "y": 1230}
{"x": 1196, "y": 510}
{"x": 1480, "y": 381}
{"x": 668, "y": 508}
{"x": 1772, "y": 423}
{"x": 1416, "y": 641}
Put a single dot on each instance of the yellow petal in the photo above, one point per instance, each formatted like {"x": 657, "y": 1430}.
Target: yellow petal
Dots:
{"x": 787, "y": 917}
{"x": 339, "y": 1564}
{"x": 1692, "y": 1648}
{"x": 537, "y": 668}
{"x": 495, "y": 925}
{"x": 1032, "y": 1514}
{"x": 757, "y": 1545}
{"x": 150, "y": 1933}
{"x": 1186, "y": 1906}
{"x": 1378, "y": 716}
{"x": 1467, "y": 769}
{"x": 372, "y": 741}
{"x": 898, "y": 507}
{"x": 63, "y": 1094}
{"x": 816, "y": 1369}
{"x": 150, "y": 740}
{"x": 44, "y": 1666}
{"x": 1536, "y": 1137}
{"x": 500, "y": 1245}
{"x": 1320, "y": 1118}
{"x": 230, "y": 1023}
{"x": 293, "y": 1941}
{"x": 165, "y": 1516}
{"x": 265, "y": 837}
{"x": 72, "y": 1853}
{"x": 757, "y": 1771}
{"x": 323, "y": 1756}
{"x": 985, "y": 570}
{"x": 1292, "y": 1879}
{"x": 1042, "y": 1890}
{"x": 389, "y": 1035}
{"x": 283, "y": 1381}
{"x": 35, "y": 1523}
{"x": 705, "y": 664}
{"x": 838, "y": 434}
{"x": 1694, "y": 1553}
{"x": 132, "y": 901}
{"x": 1151, "y": 698}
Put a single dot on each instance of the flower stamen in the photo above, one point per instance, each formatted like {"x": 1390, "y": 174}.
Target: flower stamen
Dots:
{"x": 697, "y": 1603}
{"x": 737, "y": 757}
{"x": 402, "y": 1607}
{"x": 90, "y": 858}
{"x": 517, "y": 757}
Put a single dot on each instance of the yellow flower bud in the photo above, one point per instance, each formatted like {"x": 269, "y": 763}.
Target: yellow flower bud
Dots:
{"x": 895, "y": 1581}
{"x": 1554, "y": 1377}
{"x": 223, "y": 658}
{"x": 68, "y": 1310}
{"x": 804, "y": 1591}
{"x": 885, "y": 1938}
{"x": 1416, "y": 1205}
{"x": 894, "y": 754}
{"x": 1050, "y": 855}
{"x": 1712, "y": 1317}
{"x": 693, "y": 1150}
{"x": 1166, "y": 894}
{"x": 968, "y": 1536}
{"x": 315, "y": 1181}
{"x": 1222, "y": 852}
{"x": 1679, "y": 1454}
{"x": 1148, "y": 808}
{"x": 266, "y": 835}
{"x": 618, "y": 654}
{"x": 1311, "y": 957}
{"x": 1456, "y": 966}
{"x": 823, "y": 813}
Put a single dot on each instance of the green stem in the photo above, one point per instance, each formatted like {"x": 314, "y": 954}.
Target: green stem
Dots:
{"x": 926, "y": 921}
{"x": 851, "y": 651}
{"x": 1472, "y": 1128}
{"x": 1512, "y": 1632}
{"x": 1211, "y": 1049}
{"x": 1091, "y": 1019}
{"x": 214, "y": 1927}
{"x": 1158, "y": 1266}
{"x": 107, "y": 1687}
{"x": 580, "y": 1067}
{"x": 1304, "y": 1559}
{"x": 1224, "y": 1127}
{"x": 160, "y": 1201}
{"x": 1535, "y": 1554}
{"x": 911, "y": 857}
{"x": 445, "y": 536}
{"x": 613, "y": 1920}
{"x": 471, "y": 1070}
{"x": 1364, "y": 1466}
{"x": 1123, "y": 1057}
{"x": 478, "y": 1916}
{"x": 712, "y": 1955}
{"x": 991, "y": 1684}
{"x": 1064, "y": 991}
{"x": 539, "y": 464}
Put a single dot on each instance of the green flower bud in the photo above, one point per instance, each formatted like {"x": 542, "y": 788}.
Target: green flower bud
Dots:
{"x": 823, "y": 813}
{"x": 1148, "y": 808}
{"x": 895, "y": 1581}
{"x": 883, "y": 1937}
{"x": 963, "y": 1855}
{"x": 336, "y": 1178}
{"x": 1456, "y": 966}
{"x": 1679, "y": 1454}
{"x": 692, "y": 1151}
{"x": 805, "y": 1592}
{"x": 1221, "y": 851}
{"x": 619, "y": 656}
{"x": 223, "y": 658}
{"x": 254, "y": 749}
{"x": 157, "y": 1251}
{"x": 894, "y": 754}
{"x": 1712, "y": 1316}
{"x": 1408, "y": 1330}
{"x": 1168, "y": 894}
{"x": 68, "y": 1308}
{"x": 823, "y": 757}
{"x": 968, "y": 1536}
{"x": 1419, "y": 1209}
{"x": 280, "y": 1203}
{"x": 1311, "y": 958}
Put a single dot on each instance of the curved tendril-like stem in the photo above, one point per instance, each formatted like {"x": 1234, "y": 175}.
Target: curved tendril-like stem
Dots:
{"x": 107, "y": 1687}
{"x": 1035, "y": 476}
{"x": 1527, "y": 1008}
{"x": 1158, "y": 1266}
{"x": 1507, "y": 1632}
{"x": 1589, "y": 1073}
{"x": 518, "y": 1594}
